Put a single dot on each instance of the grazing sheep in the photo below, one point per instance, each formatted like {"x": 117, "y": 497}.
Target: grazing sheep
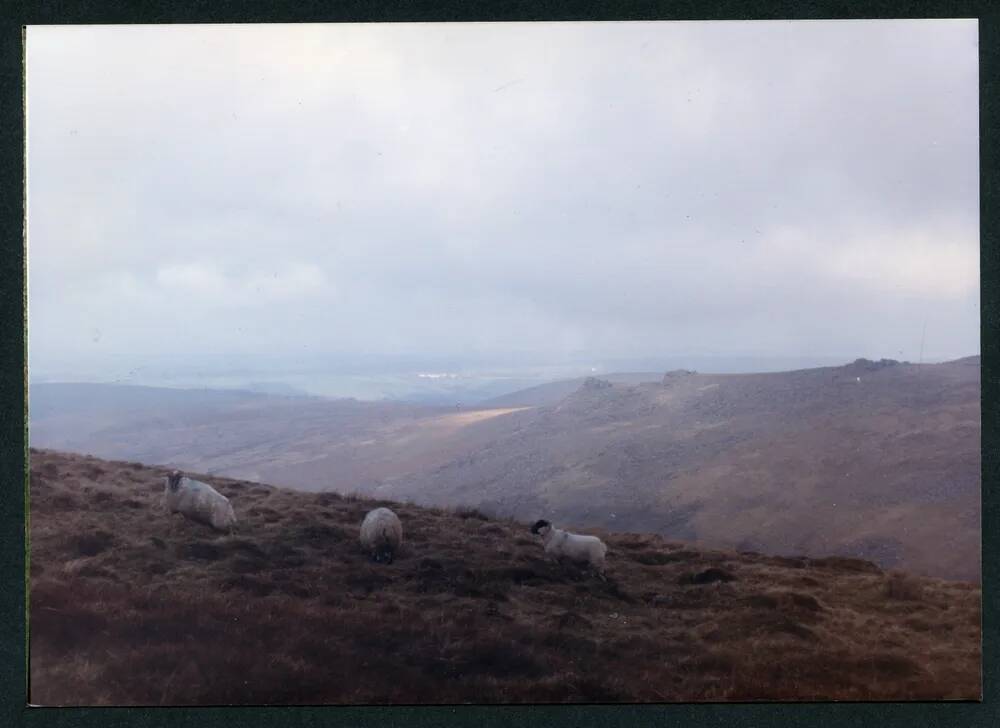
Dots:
{"x": 381, "y": 534}
{"x": 572, "y": 546}
{"x": 199, "y": 502}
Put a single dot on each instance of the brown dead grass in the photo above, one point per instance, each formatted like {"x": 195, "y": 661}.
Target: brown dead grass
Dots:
{"x": 903, "y": 586}
{"x": 129, "y": 608}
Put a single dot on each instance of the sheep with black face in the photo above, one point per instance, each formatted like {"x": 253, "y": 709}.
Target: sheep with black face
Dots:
{"x": 382, "y": 534}
{"x": 199, "y": 502}
{"x": 559, "y": 544}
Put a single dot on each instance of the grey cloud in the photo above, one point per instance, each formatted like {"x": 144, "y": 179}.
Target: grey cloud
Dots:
{"x": 617, "y": 189}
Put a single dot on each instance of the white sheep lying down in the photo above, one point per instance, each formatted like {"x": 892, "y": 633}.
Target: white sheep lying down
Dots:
{"x": 198, "y": 501}
{"x": 381, "y": 534}
{"x": 576, "y": 547}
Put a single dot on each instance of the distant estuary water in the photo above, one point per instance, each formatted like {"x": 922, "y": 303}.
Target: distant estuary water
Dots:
{"x": 425, "y": 384}
{"x": 430, "y": 387}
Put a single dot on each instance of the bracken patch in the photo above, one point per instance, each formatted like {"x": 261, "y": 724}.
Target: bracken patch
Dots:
{"x": 708, "y": 576}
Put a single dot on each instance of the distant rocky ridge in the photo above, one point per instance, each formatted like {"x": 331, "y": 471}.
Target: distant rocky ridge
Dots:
{"x": 876, "y": 459}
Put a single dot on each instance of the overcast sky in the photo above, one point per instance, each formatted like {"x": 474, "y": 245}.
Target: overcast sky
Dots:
{"x": 545, "y": 190}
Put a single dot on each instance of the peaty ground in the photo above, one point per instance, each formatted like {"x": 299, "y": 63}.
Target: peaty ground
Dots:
{"x": 128, "y": 606}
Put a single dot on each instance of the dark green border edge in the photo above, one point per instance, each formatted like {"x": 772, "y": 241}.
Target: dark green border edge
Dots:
{"x": 14, "y": 710}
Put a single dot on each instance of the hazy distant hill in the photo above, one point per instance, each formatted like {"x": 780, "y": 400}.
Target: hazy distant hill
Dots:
{"x": 880, "y": 462}
{"x": 128, "y": 608}
{"x": 213, "y": 430}
{"x": 553, "y": 392}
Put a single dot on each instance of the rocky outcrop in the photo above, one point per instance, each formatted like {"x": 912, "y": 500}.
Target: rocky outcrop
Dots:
{"x": 593, "y": 383}
{"x": 676, "y": 374}
{"x": 868, "y": 365}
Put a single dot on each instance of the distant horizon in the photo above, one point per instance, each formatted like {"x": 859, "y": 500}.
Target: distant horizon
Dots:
{"x": 447, "y": 386}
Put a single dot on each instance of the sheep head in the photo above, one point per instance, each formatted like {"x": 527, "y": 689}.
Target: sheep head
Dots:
{"x": 539, "y": 525}
{"x": 174, "y": 480}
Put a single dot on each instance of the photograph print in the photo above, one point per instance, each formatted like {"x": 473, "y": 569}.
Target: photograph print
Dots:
{"x": 503, "y": 363}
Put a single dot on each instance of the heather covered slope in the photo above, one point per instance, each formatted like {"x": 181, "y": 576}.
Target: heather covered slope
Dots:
{"x": 874, "y": 460}
{"x": 126, "y": 608}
